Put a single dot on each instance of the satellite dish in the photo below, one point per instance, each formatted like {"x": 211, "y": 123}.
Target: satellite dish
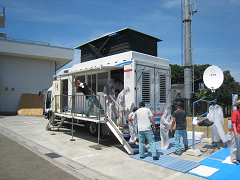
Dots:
{"x": 213, "y": 77}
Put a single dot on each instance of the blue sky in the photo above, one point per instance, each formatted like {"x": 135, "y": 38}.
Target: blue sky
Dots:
{"x": 69, "y": 23}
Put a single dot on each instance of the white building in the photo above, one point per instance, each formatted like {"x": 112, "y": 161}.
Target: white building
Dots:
{"x": 27, "y": 67}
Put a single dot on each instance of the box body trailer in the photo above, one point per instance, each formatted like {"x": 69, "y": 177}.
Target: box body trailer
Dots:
{"x": 148, "y": 77}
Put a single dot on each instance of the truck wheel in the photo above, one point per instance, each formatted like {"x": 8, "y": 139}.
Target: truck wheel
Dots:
{"x": 93, "y": 129}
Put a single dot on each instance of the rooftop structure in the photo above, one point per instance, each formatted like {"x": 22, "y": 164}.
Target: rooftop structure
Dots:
{"x": 120, "y": 41}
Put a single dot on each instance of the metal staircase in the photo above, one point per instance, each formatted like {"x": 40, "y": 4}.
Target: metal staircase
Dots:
{"x": 51, "y": 124}
{"x": 119, "y": 135}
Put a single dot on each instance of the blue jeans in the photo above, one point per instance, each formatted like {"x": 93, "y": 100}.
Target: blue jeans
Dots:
{"x": 177, "y": 135}
{"x": 151, "y": 140}
{"x": 90, "y": 102}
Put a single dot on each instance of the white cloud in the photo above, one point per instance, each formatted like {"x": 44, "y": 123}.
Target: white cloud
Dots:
{"x": 172, "y": 4}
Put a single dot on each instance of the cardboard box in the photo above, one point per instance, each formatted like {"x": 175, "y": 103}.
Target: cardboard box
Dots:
{"x": 31, "y": 105}
{"x": 198, "y": 135}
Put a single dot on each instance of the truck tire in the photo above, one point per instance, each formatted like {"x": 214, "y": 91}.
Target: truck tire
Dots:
{"x": 93, "y": 129}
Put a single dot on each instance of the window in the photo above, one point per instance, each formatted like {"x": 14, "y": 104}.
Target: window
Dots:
{"x": 146, "y": 87}
{"x": 48, "y": 99}
{"x": 201, "y": 86}
{"x": 92, "y": 82}
{"x": 81, "y": 79}
{"x": 102, "y": 81}
{"x": 162, "y": 88}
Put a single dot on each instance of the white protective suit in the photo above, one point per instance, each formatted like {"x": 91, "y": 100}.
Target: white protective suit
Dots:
{"x": 120, "y": 106}
{"x": 109, "y": 93}
{"x": 165, "y": 122}
{"x": 216, "y": 115}
{"x": 133, "y": 127}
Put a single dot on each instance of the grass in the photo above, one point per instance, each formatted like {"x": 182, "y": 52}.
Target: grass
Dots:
{"x": 204, "y": 128}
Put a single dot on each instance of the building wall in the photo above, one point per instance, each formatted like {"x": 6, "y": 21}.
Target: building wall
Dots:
{"x": 22, "y": 75}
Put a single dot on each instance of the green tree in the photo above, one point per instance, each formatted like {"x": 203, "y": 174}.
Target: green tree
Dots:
{"x": 201, "y": 106}
{"x": 199, "y": 70}
{"x": 177, "y": 73}
{"x": 204, "y": 93}
{"x": 224, "y": 93}
{"x": 237, "y": 87}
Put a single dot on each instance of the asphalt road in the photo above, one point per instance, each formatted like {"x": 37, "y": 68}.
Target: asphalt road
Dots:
{"x": 18, "y": 162}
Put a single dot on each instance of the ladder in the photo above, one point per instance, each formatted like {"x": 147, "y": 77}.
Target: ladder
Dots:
{"x": 51, "y": 125}
{"x": 119, "y": 135}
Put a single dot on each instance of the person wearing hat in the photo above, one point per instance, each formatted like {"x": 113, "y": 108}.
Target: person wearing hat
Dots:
{"x": 119, "y": 84}
{"x": 179, "y": 116}
{"x": 235, "y": 134}
{"x": 145, "y": 130}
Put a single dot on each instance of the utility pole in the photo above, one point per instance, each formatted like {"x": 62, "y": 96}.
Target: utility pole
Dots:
{"x": 187, "y": 48}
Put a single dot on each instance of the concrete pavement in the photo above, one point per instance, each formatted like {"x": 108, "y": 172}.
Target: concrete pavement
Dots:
{"x": 79, "y": 158}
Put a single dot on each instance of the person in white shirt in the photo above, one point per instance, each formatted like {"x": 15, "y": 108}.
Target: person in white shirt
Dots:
{"x": 145, "y": 130}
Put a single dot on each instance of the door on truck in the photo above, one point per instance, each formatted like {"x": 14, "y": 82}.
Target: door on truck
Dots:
{"x": 145, "y": 89}
{"x": 152, "y": 87}
{"x": 56, "y": 92}
{"x": 65, "y": 99}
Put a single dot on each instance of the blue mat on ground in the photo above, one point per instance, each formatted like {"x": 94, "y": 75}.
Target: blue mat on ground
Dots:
{"x": 222, "y": 154}
{"x": 169, "y": 162}
{"x": 225, "y": 171}
{"x": 171, "y": 148}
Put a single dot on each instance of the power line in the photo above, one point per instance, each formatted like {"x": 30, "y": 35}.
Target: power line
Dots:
{"x": 218, "y": 49}
{"x": 208, "y": 51}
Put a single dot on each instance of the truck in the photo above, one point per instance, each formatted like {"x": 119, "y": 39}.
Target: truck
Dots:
{"x": 147, "y": 76}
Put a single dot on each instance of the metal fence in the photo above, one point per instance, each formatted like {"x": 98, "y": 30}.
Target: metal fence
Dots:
{"x": 200, "y": 108}
{"x": 78, "y": 104}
